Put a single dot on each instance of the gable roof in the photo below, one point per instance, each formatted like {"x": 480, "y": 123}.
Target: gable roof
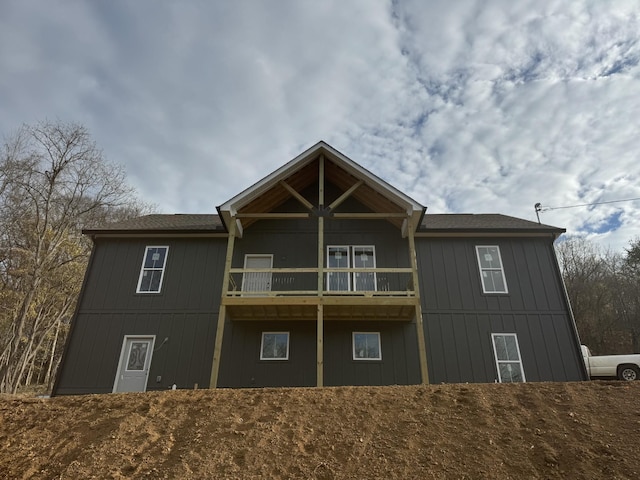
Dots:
{"x": 299, "y": 172}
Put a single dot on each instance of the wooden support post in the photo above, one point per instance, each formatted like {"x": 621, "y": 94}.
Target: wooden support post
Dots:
{"x": 320, "y": 319}
{"x": 222, "y": 314}
{"x": 422, "y": 348}
{"x": 319, "y": 346}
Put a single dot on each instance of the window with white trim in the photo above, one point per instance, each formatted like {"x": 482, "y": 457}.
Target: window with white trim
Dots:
{"x": 366, "y": 346}
{"x": 351, "y": 256}
{"x": 152, "y": 271}
{"x": 274, "y": 346}
{"x": 491, "y": 270}
{"x": 508, "y": 360}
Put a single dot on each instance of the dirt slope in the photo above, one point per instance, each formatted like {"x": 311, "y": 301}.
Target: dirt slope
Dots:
{"x": 548, "y": 430}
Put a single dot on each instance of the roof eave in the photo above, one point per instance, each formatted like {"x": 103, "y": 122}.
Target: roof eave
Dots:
{"x": 143, "y": 231}
{"x": 228, "y": 209}
{"x": 534, "y": 232}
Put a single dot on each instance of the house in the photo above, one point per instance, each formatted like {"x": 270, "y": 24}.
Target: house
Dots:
{"x": 320, "y": 274}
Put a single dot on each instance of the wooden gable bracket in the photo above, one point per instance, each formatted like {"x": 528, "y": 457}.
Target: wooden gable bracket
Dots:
{"x": 296, "y": 195}
{"x": 345, "y": 195}
{"x": 239, "y": 227}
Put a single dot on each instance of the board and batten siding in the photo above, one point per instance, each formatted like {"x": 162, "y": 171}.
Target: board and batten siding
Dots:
{"x": 241, "y": 366}
{"x": 185, "y": 313}
{"x": 459, "y": 318}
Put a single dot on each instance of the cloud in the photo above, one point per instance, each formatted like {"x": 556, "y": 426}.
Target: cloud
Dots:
{"x": 467, "y": 106}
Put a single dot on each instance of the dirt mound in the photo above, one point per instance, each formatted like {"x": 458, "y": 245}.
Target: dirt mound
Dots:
{"x": 533, "y": 430}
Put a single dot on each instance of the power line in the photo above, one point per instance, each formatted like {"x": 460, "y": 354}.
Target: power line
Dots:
{"x": 546, "y": 209}
{"x": 539, "y": 208}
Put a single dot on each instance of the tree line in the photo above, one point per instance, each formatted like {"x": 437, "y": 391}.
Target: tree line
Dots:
{"x": 604, "y": 292}
{"x": 54, "y": 181}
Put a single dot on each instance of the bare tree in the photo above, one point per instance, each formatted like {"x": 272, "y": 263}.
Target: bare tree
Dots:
{"x": 627, "y": 294}
{"x": 586, "y": 274}
{"x": 53, "y": 181}
{"x": 604, "y": 291}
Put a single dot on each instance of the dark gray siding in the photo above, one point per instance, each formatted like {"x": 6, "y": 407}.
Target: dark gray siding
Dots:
{"x": 185, "y": 312}
{"x": 192, "y": 279}
{"x": 294, "y": 243}
{"x": 92, "y": 358}
{"x": 299, "y": 248}
{"x": 399, "y": 364}
{"x": 459, "y": 318}
{"x": 241, "y": 365}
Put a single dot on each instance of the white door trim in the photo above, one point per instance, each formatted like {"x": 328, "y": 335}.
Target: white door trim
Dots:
{"x": 124, "y": 354}
{"x": 248, "y": 278}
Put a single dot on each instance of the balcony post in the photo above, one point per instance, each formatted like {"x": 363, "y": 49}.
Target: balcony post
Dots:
{"x": 320, "y": 313}
{"x": 422, "y": 349}
{"x": 222, "y": 314}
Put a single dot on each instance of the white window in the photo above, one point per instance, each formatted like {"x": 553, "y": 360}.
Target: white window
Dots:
{"x": 351, "y": 256}
{"x": 491, "y": 271}
{"x": 366, "y": 346}
{"x": 508, "y": 360}
{"x": 275, "y": 346}
{"x": 152, "y": 271}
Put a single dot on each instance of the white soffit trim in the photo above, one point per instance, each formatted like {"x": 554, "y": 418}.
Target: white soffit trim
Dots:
{"x": 231, "y": 206}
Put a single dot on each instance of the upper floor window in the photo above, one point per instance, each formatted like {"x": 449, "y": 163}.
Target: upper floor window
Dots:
{"x": 351, "y": 256}
{"x": 366, "y": 346}
{"x": 491, "y": 270}
{"x": 152, "y": 271}
{"x": 508, "y": 360}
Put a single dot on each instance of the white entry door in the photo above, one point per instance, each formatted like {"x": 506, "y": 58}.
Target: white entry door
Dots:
{"x": 135, "y": 360}
{"x": 257, "y": 281}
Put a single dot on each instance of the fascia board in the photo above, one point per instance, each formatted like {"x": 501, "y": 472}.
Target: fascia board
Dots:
{"x": 269, "y": 181}
{"x": 486, "y": 233}
{"x": 374, "y": 182}
{"x": 231, "y": 206}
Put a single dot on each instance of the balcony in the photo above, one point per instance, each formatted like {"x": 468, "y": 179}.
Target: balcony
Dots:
{"x": 345, "y": 294}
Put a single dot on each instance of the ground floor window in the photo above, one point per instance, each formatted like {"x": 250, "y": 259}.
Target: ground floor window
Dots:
{"x": 275, "y": 346}
{"x": 508, "y": 360}
{"x": 366, "y": 346}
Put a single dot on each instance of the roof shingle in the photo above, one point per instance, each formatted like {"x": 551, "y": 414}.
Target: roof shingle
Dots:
{"x": 448, "y": 222}
{"x": 156, "y": 223}
{"x": 434, "y": 223}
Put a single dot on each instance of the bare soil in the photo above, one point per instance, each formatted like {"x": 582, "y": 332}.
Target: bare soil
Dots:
{"x": 587, "y": 430}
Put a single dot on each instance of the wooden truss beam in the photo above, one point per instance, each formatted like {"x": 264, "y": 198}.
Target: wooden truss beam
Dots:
{"x": 345, "y": 195}
{"x": 296, "y": 195}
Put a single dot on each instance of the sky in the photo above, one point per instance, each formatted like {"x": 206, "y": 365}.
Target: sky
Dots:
{"x": 467, "y": 106}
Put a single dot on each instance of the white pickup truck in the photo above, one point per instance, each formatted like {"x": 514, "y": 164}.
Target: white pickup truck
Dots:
{"x": 623, "y": 367}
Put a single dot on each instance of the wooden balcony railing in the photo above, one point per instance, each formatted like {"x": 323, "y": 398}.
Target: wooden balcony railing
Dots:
{"x": 279, "y": 282}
